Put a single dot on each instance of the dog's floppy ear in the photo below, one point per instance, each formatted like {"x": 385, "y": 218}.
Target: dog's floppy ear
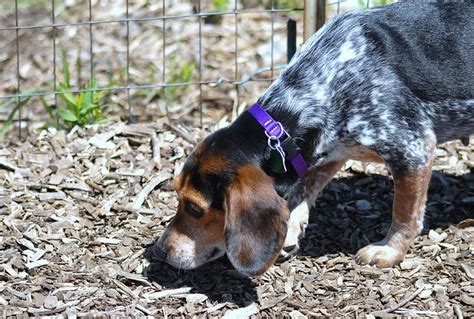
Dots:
{"x": 256, "y": 221}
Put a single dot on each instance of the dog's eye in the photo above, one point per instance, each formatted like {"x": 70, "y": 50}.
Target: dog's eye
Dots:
{"x": 193, "y": 209}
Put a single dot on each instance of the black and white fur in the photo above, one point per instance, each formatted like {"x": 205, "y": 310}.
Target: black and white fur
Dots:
{"x": 389, "y": 79}
{"x": 383, "y": 84}
{"x": 383, "y": 78}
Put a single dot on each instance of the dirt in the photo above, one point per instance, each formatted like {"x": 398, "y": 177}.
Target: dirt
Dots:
{"x": 77, "y": 218}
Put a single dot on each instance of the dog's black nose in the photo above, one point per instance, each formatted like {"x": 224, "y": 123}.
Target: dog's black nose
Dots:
{"x": 160, "y": 252}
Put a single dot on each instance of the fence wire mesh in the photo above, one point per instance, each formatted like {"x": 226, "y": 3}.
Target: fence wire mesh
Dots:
{"x": 163, "y": 57}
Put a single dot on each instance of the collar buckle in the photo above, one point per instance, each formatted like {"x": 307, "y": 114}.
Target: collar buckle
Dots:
{"x": 279, "y": 140}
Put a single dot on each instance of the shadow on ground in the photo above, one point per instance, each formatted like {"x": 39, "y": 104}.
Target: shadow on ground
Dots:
{"x": 354, "y": 211}
{"x": 351, "y": 212}
{"x": 218, "y": 280}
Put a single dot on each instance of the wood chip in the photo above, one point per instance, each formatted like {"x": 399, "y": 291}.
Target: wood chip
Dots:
{"x": 130, "y": 171}
{"x": 401, "y": 303}
{"x": 36, "y": 263}
{"x": 155, "y": 181}
{"x": 51, "y": 196}
{"x": 468, "y": 270}
{"x": 156, "y": 145}
{"x": 102, "y": 140}
{"x": 166, "y": 293}
{"x": 241, "y": 313}
{"x": 77, "y": 186}
{"x": 8, "y": 166}
{"x": 112, "y": 241}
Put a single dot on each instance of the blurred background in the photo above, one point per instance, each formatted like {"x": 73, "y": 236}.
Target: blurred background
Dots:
{"x": 196, "y": 61}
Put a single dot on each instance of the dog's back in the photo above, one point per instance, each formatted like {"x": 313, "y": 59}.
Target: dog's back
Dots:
{"x": 406, "y": 67}
{"x": 431, "y": 46}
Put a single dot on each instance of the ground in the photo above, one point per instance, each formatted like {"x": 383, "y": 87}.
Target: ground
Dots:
{"x": 78, "y": 211}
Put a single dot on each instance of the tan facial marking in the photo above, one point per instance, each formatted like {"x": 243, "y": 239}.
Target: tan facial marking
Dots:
{"x": 178, "y": 182}
{"x": 190, "y": 193}
{"x": 207, "y": 229}
{"x": 190, "y": 241}
{"x": 213, "y": 164}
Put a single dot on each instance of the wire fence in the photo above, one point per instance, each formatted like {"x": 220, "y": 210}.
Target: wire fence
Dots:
{"x": 163, "y": 15}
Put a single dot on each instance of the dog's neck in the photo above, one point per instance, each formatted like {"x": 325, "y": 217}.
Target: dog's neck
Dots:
{"x": 307, "y": 118}
{"x": 305, "y": 122}
{"x": 252, "y": 142}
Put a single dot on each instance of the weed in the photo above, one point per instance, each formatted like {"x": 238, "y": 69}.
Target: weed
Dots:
{"x": 221, "y": 5}
{"x": 179, "y": 74}
{"x": 23, "y": 4}
{"x": 73, "y": 108}
{"x": 288, "y": 4}
{"x": 9, "y": 122}
{"x": 182, "y": 74}
{"x": 267, "y": 4}
{"x": 217, "y": 6}
{"x": 79, "y": 108}
{"x": 374, "y": 3}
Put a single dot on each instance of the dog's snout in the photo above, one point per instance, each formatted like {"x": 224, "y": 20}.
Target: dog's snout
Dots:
{"x": 160, "y": 252}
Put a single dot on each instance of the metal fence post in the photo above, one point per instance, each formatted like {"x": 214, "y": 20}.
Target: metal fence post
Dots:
{"x": 314, "y": 16}
{"x": 291, "y": 39}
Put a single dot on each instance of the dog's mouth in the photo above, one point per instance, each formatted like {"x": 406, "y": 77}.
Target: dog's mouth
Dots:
{"x": 155, "y": 253}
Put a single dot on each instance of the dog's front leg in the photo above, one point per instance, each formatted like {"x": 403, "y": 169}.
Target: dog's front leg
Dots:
{"x": 407, "y": 219}
{"x": 301, "y": 200}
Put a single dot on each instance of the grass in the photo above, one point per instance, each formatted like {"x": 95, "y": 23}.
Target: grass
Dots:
{"x": 221, "y": 5}
{"x": 73, "y": 109}
{"x": 178, "y": 73}
{"x": 183, "y": 74}
{"x": 374, "y": 3}
{"x": 10, "y": 119}
{"x": 79, "y": 108}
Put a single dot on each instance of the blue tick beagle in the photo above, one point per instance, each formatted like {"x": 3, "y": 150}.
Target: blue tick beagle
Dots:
{"x": 384, "y": 85}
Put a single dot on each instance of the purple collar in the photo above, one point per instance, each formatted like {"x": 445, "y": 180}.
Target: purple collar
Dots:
{"x": 279, "y": 140}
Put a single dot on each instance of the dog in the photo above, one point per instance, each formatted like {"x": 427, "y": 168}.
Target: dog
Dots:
{"x": 378, "y": 85}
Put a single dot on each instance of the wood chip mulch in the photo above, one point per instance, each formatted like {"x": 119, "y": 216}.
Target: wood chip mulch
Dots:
{"x": 79, "y": 209}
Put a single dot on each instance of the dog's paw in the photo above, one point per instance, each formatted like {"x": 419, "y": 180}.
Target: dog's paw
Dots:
{"x": 289, "y": 251}
{"x": 296, "y": 226}
{"x": 380, "y": 255}
{"x": 291, "y": 245}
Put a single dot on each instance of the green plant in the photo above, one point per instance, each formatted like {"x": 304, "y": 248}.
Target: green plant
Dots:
{"x": 374, "y": 3}
{"x": 179, "y": 74}
{"x": 267, "y": 4}
{"x": 217, "y": 6}
{"x": 24, "y": 4}
{"x": 182, "y": 74}
{"x": 221, "y": 5}
{"x": 80, "y": 108}
{"x": 9, "y": 122}
{"x": 288, "y": 4}
{"x": 7, "y": 7}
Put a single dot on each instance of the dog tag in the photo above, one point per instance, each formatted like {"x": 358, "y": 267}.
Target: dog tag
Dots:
{"x": 276, "y": 162}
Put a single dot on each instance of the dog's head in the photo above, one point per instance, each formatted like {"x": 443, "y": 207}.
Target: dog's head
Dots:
{"x": 227, "y": 204}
